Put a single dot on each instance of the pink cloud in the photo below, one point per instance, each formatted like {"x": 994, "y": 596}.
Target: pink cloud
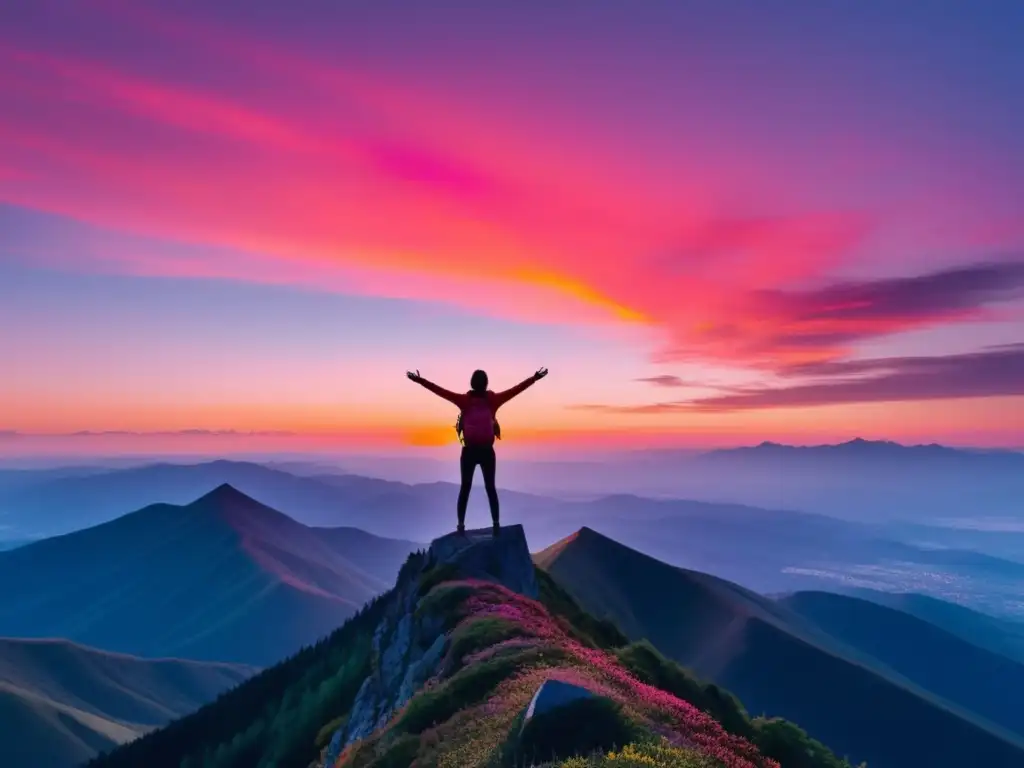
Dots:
{"x": 468, "y": 211}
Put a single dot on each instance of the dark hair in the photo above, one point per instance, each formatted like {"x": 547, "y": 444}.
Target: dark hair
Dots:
{"x": 478, "y": 381}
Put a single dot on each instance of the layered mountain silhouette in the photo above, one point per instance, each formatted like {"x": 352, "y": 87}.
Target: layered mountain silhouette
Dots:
{"x": 224, "y": 578}
{"x": 475, "y": 658}
{"x": 997, "y": 635}
{"x": 776, "y": 660}
{"x": 62, "y": 703}
{"x": 52, "y": 503}
{"x": 988, "y": 684}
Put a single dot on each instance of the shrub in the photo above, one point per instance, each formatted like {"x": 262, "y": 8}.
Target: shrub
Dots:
{"x": 477, "y": 634}
{"x": 580, "y": 727}
{"x": 649, "y": 666}
{"x": 465, "y": 688}
{"x": 435, "y": 575}
{"x": 791, "y": 746}
{"x": 445, "y": 600}
{"x": 323, "y": 736}
{"x": 648, "y": 755}
{"x": 399, "y": 754}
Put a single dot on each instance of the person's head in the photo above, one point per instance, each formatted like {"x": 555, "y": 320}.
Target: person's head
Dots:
{"x": 478, "y": 381}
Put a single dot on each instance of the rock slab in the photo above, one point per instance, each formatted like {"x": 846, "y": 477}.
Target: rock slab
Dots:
{"x": 479, "y": 554}
{"x": 553, "y": 694}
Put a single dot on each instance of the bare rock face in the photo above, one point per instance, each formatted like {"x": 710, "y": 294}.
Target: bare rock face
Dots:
{"x": 407, "y": 648}
{"x": 479, "y": 554}
{"x": 551, "y": 695}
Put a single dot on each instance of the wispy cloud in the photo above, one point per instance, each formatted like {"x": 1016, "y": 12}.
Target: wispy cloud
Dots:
{"x": 989, "y": 373}
{"x": 668, "y": 380}
{"x": 156, "y": 433}
{"x": 781, "y": 328}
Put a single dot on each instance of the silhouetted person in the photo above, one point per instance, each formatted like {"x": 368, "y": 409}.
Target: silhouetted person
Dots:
{"x": 478, "y": 427}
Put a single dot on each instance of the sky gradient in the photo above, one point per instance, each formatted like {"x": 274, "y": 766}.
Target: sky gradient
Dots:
{"x": 715, "y": 222}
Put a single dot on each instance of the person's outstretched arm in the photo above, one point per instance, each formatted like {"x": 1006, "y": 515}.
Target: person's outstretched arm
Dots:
{"x": 451, "y": 397}
{"x": 503, "y": 397}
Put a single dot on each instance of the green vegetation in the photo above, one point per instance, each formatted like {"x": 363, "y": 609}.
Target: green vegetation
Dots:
{"x": 792, "y": 747}
{"x": 775, "y": 738}
{"x": 478, "y": 634}
{"x": 323, "y": 736}
{"x": 650, "y": 666}
{"x": 444, "y": 600}
{"x": 273, "y": 719}
{"x": 464, "y": 689}
{"x": 597, "y": 633}
{"x": 435, "y": 575}
{"x": 647, "y": 755}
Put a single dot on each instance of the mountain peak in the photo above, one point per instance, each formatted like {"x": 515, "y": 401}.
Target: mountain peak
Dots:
{"x": 478, "y": 554}
{"x": 225, "y": 492}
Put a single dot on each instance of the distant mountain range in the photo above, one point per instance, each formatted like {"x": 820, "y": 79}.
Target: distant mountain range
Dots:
{"x": 62, "y": 703}
{"x": 769, "y": 550}
{"x": 862, "y": 481}
{"x": 997, "y": 635}
{"x": 224, "y": 578}
{"x": 860, "y": 449}
{"x": 52, "y": 502}
{"x": 781, "y": 662}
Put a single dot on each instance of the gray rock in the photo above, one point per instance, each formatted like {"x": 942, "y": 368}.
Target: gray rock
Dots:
{"x": 553, "y": 694}
{"x": 421, "y": 671}
{"x": 407, "y": 652}
{"x": 394, "y": 656}
{"x": 504, "y": 559}
{"x": 361, "y": 720}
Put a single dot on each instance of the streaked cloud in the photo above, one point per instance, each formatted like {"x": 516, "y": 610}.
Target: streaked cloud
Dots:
{"x": 994, "y": 372}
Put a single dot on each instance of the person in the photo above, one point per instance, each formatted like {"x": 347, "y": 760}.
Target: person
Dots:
{"x": 478, "y": 426}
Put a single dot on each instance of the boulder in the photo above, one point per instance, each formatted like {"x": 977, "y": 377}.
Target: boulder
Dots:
{"x": 504, "y": 559}
{"x": 553, "y": 694}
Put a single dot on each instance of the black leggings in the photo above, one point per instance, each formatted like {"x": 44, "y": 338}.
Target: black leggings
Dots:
{"x": 484, "y": 456}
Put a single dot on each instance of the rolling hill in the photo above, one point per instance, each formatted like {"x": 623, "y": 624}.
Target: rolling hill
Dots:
{"x": 224, "y": 578}
{"x": 986, "y": 683}
{"x": 62, "y": 703}
{"x": 776, "y": 661}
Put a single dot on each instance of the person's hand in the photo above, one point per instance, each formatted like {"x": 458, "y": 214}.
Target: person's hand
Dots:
{"x": 414, "y": 376}
{"x": 540, "y": 374}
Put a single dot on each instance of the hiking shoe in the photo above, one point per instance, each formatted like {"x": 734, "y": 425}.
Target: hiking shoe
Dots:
{"x": 461, "y": 530}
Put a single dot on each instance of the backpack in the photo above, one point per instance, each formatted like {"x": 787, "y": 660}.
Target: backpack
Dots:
{"x": 476, "y": 424}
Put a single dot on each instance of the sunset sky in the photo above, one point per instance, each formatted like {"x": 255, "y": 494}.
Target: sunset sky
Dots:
{"x": 715, "y": 222}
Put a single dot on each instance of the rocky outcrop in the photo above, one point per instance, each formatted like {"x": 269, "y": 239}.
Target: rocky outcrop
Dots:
{"x": 408, "y": 646}
{"x": 504, "y": 559}
{"x": 551, "y": 695}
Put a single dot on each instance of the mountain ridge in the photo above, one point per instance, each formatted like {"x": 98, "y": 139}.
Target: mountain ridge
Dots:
{"x": 958, "y": 671}
{"x": 224, "y": 578}
{"x": 726, "y": 637}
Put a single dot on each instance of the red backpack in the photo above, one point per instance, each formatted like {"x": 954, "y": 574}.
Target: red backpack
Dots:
{"x": 477, "y": 424}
